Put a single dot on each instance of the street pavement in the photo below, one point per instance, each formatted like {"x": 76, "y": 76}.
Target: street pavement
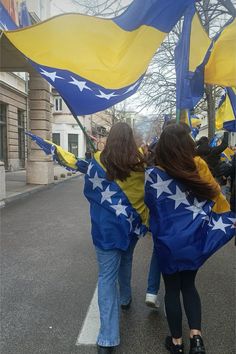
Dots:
{"x": 49, "y": 275}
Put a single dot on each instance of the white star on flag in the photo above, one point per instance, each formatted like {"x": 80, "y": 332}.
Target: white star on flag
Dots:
{"x": 179, "y": 197}
{"x": 107, "y": 96}
{"x": 147, "y": 175}
{"x": 120, "y": 209}
{"x": 162, "y": 186}
{"x": 90, "y": 166}
{"x": 97, "y": 181}
{"x": 131, "y": 88}
{"x": 80, "y": 84}
{"x": 219, "y": 225}
{"x": 196, "y": 208}
{"x": 137, "y": 230}
{"x": 130, "y": 220}
{"x": 233, "y": 220}
{"x": 52, "y": 75}
{"x": 107, "y": 194}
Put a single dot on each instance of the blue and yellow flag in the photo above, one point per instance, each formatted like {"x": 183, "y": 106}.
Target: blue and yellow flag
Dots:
{"x": 226, "y": 112}
{"x": 221, "y": 67}
{"x": 191, "y": 54}
{"x": 199, "y": 60}
{"x": 117, "y": 209}
{"x": 59, "y": 155}
{"x": 94, "y": 62}
{"x": 186, "y": 231}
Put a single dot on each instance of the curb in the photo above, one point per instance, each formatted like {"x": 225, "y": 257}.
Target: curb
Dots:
{"x": 23, "y": 195}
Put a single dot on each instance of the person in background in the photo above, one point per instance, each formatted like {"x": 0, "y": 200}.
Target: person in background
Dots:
{"x": 212, "y": 155}
{"x": 114, "y": 187}
{"x": 190, "y": 219}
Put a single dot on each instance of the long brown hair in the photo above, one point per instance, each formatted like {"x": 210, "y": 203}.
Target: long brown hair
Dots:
{"x": 175, "y": 153}
{"x": 121, "y": 155}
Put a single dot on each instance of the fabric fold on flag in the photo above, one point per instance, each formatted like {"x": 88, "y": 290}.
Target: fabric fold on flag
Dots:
{"x": 226, "y": 111}
{"x": 183, "y": 226}
{"x": 110, "y": 200}
{"x": 98, "y": 62}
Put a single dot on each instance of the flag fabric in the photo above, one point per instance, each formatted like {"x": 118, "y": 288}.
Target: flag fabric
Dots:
{"x": 221, "y": 67}
{"x": 61, "y": 156}
{"x": 191, "y": 54}
{"x": 186, "y": 231}
{"x": 93, "y": 62}
{"x": 117, "y": 209}
{"x": 24, "y": 17}
{"x": 226, "y": 111}
{"x": 6, "y": 21}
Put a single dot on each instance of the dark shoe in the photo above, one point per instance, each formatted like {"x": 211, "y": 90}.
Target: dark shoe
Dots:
{"x": 173, "y": 349}
{"x": 196, "y": 345}
{"x": 105, "y": 350}
{"x": 127, "y": 306}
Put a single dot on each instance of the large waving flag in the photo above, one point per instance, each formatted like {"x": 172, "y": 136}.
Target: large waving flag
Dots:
{"x": 221, "y": 67}
{"x": 191, "y": 54}
{"x": 226, "y": 112}
{"x": 95, "y": 63}
{"x": 199, "y": 60}
{"x": 186, "y": 231}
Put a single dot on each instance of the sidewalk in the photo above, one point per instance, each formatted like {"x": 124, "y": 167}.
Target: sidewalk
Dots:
{"x": 16, "y": 186}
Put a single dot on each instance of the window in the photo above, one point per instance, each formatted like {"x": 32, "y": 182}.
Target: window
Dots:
{"x": 73, "y": 140}
{"x": 58, "y": 104}
{"x": 21, "y": 137}
{"x": 3, "y": 133}
{"x": 56, "y": 138}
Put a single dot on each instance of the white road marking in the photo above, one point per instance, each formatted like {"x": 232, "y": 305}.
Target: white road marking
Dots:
{"x": 89, "y": 331}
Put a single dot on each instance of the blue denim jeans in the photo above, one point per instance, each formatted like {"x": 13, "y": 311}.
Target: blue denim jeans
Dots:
{"x": 114, "y": 289}
{"x": 154, "y": 276}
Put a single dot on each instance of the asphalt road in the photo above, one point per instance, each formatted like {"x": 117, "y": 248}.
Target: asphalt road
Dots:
{"x": 49, "y": 275}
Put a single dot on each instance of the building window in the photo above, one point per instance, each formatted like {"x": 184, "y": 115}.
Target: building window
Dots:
{"x": 56, "y": 138}
{"x": 21, "y": 137}
{"x": 73, "y": 142}
{"x": 58, "y": 104}
{"x": 3, "y": 133}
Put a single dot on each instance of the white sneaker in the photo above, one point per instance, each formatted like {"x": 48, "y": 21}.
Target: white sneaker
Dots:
{"x": 152, "y": 301}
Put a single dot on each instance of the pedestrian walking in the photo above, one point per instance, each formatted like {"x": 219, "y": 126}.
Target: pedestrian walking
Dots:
{"x": 190, "y": 219}
{"x": 114, "y": 187}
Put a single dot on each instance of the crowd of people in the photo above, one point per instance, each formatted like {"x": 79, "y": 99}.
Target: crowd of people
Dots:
{"x": 170, "y": 191}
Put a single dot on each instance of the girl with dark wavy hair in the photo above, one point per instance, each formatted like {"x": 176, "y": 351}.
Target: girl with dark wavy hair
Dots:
{"x": 114, "y": 187}
{"x": 190, "y": 219}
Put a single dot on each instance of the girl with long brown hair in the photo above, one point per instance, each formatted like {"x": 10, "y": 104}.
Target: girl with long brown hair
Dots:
{"x": 189, "y": 219}
{"x": 114, "y": 187}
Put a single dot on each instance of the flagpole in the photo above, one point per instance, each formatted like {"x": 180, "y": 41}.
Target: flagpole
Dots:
{"x": 85, "y": 133}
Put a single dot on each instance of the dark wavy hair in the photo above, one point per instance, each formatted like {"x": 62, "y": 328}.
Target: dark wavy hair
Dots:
{"x": 175, "y": 152}
{"x": 121, "y": 155}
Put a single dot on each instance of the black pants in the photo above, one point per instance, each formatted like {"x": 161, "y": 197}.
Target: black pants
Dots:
{"x": 183, "y": 282}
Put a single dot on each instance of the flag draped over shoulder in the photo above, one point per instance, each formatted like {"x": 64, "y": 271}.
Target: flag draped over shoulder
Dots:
{"x": 93, "y": 62}
{"x": 117, "y": 209}
{"x": 186, "y": 231}
{"x": 226, "y": 112}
